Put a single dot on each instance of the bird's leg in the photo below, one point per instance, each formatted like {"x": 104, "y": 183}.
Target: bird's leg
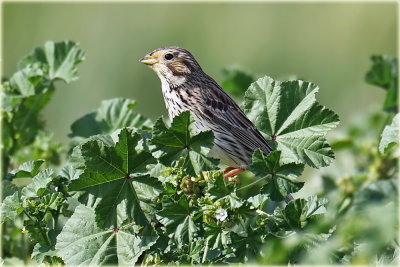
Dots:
{"x": 233, "y": 172}
{"x": 227, "y": 170}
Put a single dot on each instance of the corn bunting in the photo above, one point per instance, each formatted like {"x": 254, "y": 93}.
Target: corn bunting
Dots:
{"x": 186, "y": 87}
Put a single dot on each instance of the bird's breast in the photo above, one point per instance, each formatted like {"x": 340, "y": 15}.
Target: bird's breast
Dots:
{"x": 173, "y": 101}
{"x": 226, "y": 148}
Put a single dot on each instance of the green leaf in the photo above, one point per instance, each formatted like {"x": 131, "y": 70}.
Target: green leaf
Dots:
{"x": 44, "y": 146}
{"x": 384, "y": 73}
{"x": 258, "y": 201}
{"x": 247, "y": 248}
{"x": 236, "y": 79}
{"x": 179, "y": 220}
{"x": 8, "y": 188}
{"x": 42, "y": 251}
{"x": 114, "y": 175}
{"x": 217, "y": 236}
{"x": 111, "y": 115}
{"x": 25, "y": 121}
{"x": 390, "y": 135}
{"x": 288, "y": 113}
{"x": 280, "y": 178}
{"x": 83, "y": 242}
{"x": 177, "y": 142}
{"x": 29, "y": 90}
{"x": 26, "y": 81}
{"x": 70, "y": 172}
{"x": 11, "y": 207}
{"x": 23, "y": 85}
{"x": 147, "y": 190}
{"x": 381, "y": 191}
{"x": 38, "y": 184}
{"x": 298, "y": 212}
{"x": 61, "y": 58}
{"x": 26, "y": 169}
{"x": 218, "y": 189}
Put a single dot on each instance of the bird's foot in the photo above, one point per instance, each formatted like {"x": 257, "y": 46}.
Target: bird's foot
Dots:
{"x": 227, "y": 170}
{"x": 231, "y": 172}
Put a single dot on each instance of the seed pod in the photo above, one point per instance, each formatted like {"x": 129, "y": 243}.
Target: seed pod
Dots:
{"x": 187, "y": 185}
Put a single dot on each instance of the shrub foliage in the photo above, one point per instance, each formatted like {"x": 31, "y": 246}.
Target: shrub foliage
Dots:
{"x": 136, "y": 192}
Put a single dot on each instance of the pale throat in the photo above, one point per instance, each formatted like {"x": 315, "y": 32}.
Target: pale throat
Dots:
{"x": 170, "y": 96}
{"x": 167, "y": 77}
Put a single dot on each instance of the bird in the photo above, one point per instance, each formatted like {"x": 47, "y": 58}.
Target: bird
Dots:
{"x": 186, "y": 87}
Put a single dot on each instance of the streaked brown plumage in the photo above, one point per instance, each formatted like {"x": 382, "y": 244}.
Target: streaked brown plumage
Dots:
{"x": 186, "y": 87}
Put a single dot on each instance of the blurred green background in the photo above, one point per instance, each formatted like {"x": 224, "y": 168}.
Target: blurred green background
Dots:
{"x": 326, "y": 43}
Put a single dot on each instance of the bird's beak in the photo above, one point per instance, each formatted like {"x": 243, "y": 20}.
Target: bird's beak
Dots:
{"x": 148, "y": 60}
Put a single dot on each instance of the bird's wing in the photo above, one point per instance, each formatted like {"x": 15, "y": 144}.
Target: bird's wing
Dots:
{"x": 222, "y": 110}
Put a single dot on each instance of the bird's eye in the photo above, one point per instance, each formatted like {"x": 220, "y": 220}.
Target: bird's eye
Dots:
{"x": 169, "y": 56}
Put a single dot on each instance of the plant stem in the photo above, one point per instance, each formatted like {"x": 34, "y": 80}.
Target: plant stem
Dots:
{"x": 205, "y": 252}
{"x": 255, "y": 182}
{"x": 42, "y": 232}
{"x": 264, "y": 214}
{"x": 55, "y": 217}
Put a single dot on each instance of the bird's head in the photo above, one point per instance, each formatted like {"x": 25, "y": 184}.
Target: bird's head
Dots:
{"x": 172, "y": 64}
